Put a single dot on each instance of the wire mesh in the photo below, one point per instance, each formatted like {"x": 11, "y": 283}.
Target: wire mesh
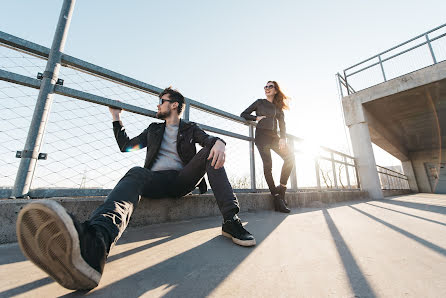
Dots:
{"x": 89, "y": 83}
{"x": 204, "y": 117}
{"x": 20, "y": 63}
{"x": 17, "y": 105}
{"x": 237, "y": 164}
{"x": 82, "y": 151}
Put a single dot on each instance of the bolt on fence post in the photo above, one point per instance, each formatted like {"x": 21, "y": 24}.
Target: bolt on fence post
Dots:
{"x": 251, "y": 158}
{"x": 430, "y": 48}
{"x": 36, "y": 130}
{"x": 186, "y": 114}
{"x": 293, "y": 171}
{"x": 382, "y": 68}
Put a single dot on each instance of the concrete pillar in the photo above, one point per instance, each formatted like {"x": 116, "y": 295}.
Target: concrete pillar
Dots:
{"x": 409, "y": 172}
{"x": 355, "y": 119}
{"x": 363, "y": 152}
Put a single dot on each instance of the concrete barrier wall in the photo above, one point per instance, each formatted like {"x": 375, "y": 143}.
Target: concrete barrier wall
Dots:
{"x": 151, "y": 211}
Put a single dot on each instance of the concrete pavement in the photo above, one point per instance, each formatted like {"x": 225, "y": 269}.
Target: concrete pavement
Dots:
{"x": 394, "y": 247}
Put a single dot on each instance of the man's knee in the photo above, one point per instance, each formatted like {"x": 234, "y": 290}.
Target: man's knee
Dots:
{"x": 136, "y": 171}
{"x": 203, "y": 154}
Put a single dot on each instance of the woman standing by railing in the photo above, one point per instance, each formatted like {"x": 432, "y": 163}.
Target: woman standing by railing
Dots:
{"x": 269, "y": 111}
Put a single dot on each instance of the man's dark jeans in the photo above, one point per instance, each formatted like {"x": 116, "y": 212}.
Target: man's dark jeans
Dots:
{"x": 114, "y": 215}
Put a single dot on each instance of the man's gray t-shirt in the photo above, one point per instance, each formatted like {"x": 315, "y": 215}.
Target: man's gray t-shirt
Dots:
{"x": 168, "y": 158}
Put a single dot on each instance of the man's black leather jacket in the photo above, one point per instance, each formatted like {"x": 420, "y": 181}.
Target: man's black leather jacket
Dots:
{"x": 189, "y": 133}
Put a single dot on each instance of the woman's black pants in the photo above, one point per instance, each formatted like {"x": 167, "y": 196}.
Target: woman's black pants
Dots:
{"x": 265, "y": 143}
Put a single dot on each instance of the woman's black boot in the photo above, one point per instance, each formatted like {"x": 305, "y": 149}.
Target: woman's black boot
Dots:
{"x": 279, "y": 205}
{"x": 280, "y": 190}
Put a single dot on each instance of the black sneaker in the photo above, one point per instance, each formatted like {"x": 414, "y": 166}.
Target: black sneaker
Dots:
{"x": 233, "y": 228}
{"x": 71, "y": 253}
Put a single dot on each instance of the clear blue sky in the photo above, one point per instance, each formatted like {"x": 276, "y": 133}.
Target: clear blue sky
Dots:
{"x": 222, "y": 52}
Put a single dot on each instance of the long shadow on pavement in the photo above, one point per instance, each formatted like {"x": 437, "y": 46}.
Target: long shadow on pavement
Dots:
{"x": 193, "y": 273}
{"x": 166, "y": 232}
{"x": 419, "y": 206}
{"x": 408, "y": 214}
{"x": 358, "y": 281}
{"x": 422, "y": 241}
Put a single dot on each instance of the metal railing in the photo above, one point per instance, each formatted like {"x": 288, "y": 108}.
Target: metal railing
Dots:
{"x": 423, "y": 50}
{"x": 79, "y": 123}
{"x": 392, "y": 180}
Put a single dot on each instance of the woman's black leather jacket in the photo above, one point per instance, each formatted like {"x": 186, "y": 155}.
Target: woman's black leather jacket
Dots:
{"x": 263, "y": 107}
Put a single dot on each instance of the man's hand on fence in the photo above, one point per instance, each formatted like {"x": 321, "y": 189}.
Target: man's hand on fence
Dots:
{"x": 218, "y": 155}
{"x": 116, "y": 113}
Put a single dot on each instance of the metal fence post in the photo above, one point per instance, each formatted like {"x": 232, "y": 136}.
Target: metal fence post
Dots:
{"x": 186, "y": 114}
{"x": 340, "y": 84}
{"x": 346, "y": 83}
{"x": 252, "y": 162}
{"x": 382, "y": 68}
{"x": 318, "y": 177}
{"x": 357, "y": 174}
{"x": 293, "y": 171}
{"x": 36, "y": 130}
{"x": 430, "y": 48}
{"x": 346, "y": 173}
{"x": 333, "y": 167}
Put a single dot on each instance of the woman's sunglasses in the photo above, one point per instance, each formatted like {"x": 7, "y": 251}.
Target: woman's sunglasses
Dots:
{"x": 268, "y": 87}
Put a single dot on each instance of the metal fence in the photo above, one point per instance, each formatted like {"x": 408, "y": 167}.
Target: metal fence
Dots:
{"x": 79, "y": 156}
{"x": 392, "y": 180}
{"x": 421, "y": 51}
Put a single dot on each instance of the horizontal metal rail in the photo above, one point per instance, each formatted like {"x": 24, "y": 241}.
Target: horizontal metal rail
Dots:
{"x": 397, "y": 46}
{"x": 15, "y": 43}
{"x": 39, "y": 51}
{"x": 35, "y": 83}
{"x": 390, "y": 170}
{"x": 19, "y": 79}
{"x": 395, "y": 55}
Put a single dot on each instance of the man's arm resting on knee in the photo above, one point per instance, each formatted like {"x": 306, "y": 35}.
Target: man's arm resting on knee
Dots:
{"x": 217, "y": 145}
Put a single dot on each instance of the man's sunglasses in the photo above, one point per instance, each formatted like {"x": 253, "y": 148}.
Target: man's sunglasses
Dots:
{"x": 268, "y": 87}
{"x": 168, "y": 100}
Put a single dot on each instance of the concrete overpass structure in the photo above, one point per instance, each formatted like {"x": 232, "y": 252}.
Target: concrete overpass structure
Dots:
{"x": 405, "y": 116}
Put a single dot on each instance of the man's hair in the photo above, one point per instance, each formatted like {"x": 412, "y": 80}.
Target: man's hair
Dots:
{"x": 176, "y": 96}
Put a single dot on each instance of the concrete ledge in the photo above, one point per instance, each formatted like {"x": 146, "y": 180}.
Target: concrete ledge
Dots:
{"x": 151, "y": 211}
{"x": 395, "y": 192}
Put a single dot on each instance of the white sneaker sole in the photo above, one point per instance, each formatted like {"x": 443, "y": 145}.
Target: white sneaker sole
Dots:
{"x": 238, "y": 241}
{"x": 48, "y": 237}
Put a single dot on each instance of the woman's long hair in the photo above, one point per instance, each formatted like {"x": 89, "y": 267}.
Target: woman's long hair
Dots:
{"x": 280, "y": 99}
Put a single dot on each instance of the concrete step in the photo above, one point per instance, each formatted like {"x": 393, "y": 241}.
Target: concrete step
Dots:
{"x": 153, "y": 211}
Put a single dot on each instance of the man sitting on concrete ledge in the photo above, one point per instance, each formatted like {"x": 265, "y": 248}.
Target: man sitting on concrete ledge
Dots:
{"x": 74, "y": 254}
